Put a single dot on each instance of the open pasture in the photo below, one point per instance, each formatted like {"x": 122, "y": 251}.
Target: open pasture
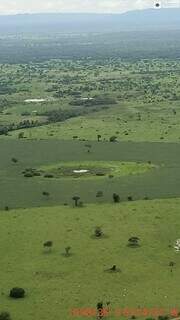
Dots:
{"x": 162, "y": 181}
{"x": 56, "y": 283}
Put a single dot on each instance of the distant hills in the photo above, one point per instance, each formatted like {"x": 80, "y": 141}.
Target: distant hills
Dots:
{"x": 150, "y": 19}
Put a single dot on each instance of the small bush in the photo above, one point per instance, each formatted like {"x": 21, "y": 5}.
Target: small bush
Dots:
{"x": 164, "y": 317}
{"x": 98, "y": 232}
{"x": 17, "y": 293}
{"x": 48, "y": 244}
{"x": 28, "y": 175}
{"x": 80, "y": 204}
{"x": 5, "y": 316}
{"x": 48, "y": 176}
{"x": 113, "y": 139}
{"x": 99, "y": 194}
{"x": 100, "y": 174}
{"x": 37, "y": 174}
{"x": 133, "y": 242}
{"x": 116, "y": 198}
{"x": 45, "y": 193}
{"x": 14, "y": 160}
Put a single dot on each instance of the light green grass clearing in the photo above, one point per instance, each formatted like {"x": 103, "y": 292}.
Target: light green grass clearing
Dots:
{"x": 96, "y": 168}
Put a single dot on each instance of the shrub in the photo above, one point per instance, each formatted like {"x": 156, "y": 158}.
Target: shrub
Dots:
{"x": 5, "y": 316}
{"x": 14, "y": 160}
{"x": 46, "y": 194}
{"x": 100, "y": 174}
{"x": 146, "y": 198}
{"x": 80, "y": 204}
{"x": 17, "y": 293}
{"x": 113, "y": 139}
{"x": 99, "y": 194}
{"x": 163, "y": 317}
{"x": 48, "y": 244}
{"x": 98, "y": 232}
{"x": 28, "y": 175}
{"x": 21, "y": 135}
{"x": 133, "y": 242}
{"x": 48, "y": 176}
{"x": 37, "y": 174}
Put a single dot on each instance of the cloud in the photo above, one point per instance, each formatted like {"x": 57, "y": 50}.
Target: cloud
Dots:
{"x": 115, "y": 6}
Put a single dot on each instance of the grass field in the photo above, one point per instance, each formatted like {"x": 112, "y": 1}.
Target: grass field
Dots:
{"x": 158, "y": 123}
{"x": 162, "y": 181}
{"x": 55, "y": 284}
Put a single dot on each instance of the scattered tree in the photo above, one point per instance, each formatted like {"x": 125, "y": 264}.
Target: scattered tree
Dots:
{"x": 67, "y": 251}
{"x": 76, "y": 200}
{"x": 116, "y": 198}
{"x": 48, "y": 245}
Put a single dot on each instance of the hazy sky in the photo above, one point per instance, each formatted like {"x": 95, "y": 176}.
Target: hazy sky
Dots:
{"x": 21, "y": 6}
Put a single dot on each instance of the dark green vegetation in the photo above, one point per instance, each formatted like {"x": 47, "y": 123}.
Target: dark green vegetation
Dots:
{"x": 19, "y": 191}
{"x": 126, "y": 45}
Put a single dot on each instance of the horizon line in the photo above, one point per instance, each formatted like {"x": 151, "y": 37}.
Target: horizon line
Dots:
{"x": 86, "y": 12}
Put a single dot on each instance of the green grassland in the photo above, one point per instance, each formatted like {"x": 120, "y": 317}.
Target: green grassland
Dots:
{"x": 136, "y": 103}
{"x": 158, "y": 124}
{"x": 55, "y": 284}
